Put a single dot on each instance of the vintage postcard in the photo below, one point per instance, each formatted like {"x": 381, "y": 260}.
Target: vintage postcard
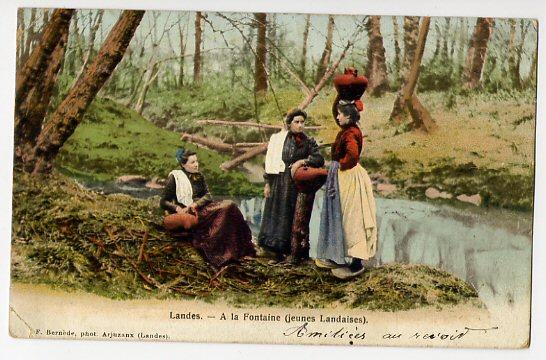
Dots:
{"x": 273, "y": 178}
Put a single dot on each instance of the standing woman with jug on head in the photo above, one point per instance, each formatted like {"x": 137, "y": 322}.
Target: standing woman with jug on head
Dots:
{"x": 348, "y": 228}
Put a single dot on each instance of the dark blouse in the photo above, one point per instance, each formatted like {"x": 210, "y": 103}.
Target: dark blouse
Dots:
{"x": 347, "y": 147}
{"x": 201, "y": 194}
{"x": 297, "y": 147}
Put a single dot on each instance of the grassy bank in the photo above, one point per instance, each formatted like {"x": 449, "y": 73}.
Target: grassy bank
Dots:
{"x": 72, "y": 238}
{"x": 113, "y": 140}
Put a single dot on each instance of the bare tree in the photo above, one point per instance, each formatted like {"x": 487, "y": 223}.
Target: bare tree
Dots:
{"x": 31, "y": 35}
{"x": 69, "y": 113}
{"x": 182, "y": 60}
{"x": 95, "y": 24}
{"x": 36, "y": 80}
{"x": 533, "y": 69}
{"x": 421, "y": 117}
{"x": 444, "y": 54}
{"x": 376, "y": 71}
{"x": 20, "y": 37}
{"x": 273, "y": 41}
{"x": 303, "y": 61}
{"x": 260, "y": 72}
{"x": 515, "y": 51}
{"x": 397, "y": 50}
{"x": 197, "y": 52}
{"x": 477, "y": 51}
{"x": 463, "y": 41}
{"x": 325, "y": 58}
{"x": 411, "y": 34}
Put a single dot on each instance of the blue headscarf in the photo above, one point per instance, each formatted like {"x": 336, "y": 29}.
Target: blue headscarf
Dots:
{"x": 180, "y": 154}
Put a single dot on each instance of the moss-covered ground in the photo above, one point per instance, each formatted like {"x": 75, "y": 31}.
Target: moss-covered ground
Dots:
{"x": 113, "y": 245}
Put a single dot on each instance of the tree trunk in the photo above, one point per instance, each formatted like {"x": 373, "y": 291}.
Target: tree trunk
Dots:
{"x": 411, "y": 33}
{"x": 463, "y": 40}
{"x": 421, "y": 117}
{"x": 70, "y": 112}
{"x": 20, "y": 37}
{"x": 197, "y": 53}
{"x": 411, "y": 83}
{"x": 512, "y": 68}
{"x": 444, "y": 55}
{"x": 325, "y": 58}
{"x": 376, "y": 71}
{"x": 260, "y": 71}
{"x": 303, "y": 61}
{"x": 36, "y": 81}
{"x": 477, "y": 51}
{"x": 438, "y": 34}
{"x": 31, "y": 35}
{"x": 91, "y": 42}
{"x": 273, "y": 45}
{"x": 182, "y": 57}
{"x": 524, "y": 27}
{"x": 45, "y": 18}
{"x": 533, "y": 69}
{"x": 151, "y": 75}
{"x": 397, "y": 52}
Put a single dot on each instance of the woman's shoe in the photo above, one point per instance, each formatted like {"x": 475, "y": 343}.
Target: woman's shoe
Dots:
{"x": 326, "y": 264}
{"x": 345, "y": 273}
{"x": 354, "y": 269}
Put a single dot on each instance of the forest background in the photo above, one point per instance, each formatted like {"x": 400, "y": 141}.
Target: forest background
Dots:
{"x": 452, "y": 124}
{"x": 476, "y": 81}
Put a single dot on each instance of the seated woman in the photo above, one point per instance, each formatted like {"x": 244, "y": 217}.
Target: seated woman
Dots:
{"x": 287, "y": 151}
{"x": 218, "y": 229}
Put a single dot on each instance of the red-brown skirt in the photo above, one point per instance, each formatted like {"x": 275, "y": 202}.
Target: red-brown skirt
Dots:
{"x": 220, "y": 232}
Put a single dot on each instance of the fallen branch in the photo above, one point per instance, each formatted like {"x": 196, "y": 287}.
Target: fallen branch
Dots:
{"x": 249, "y": 144}
{"x": 142, "y": 251}
{"x": 250, "y": 124}
{"x": 211, "y": 144}
{"x": 148, "y": 279}
{"x": 228, "y": 165}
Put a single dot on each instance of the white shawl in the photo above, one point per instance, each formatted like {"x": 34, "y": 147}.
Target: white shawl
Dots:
{"x": 273, "y": 157}
{"x": 184, "y": 192}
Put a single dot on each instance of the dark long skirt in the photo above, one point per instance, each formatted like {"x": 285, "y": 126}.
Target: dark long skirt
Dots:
{"x": 222, "y": 234}
{"x": 278, "y": 215}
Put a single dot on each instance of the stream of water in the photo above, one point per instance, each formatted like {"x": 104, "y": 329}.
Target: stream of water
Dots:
{"x": 489, "y": 248}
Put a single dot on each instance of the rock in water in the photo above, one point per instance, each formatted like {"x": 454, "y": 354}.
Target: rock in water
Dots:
{"x": 386, "y": 189}
{"x": 475, "y": 199}
{"x": 433, "y": 193}
{"x": 155, "y": 183}
{"x": 131, "y": 180}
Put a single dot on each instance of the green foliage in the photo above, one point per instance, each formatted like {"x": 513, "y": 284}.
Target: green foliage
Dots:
{"x": 216, "y": 98}
{"x": 72, "y": 238}
{"x": 113, "y": 140}
{"x": 438, "y": 75}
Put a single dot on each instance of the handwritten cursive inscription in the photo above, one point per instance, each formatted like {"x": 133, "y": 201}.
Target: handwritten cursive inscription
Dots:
{"x": 304, "y": 330}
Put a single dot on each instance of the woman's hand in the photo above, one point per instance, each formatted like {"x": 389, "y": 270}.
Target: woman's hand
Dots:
{"x": 267, "y": 190}
{"x": 180, "y": 210}
{"x": 295, "y": 166}
{"x": 192, "y": 209}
